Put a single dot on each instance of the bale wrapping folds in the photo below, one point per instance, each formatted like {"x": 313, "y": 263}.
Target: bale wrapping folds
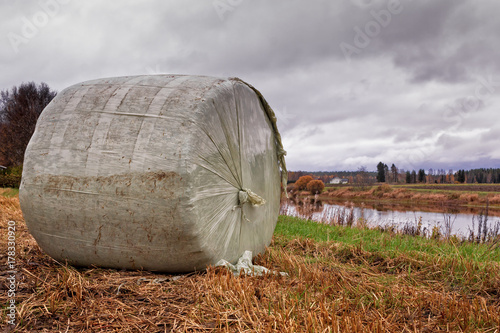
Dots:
{"x": 166, "y": 172}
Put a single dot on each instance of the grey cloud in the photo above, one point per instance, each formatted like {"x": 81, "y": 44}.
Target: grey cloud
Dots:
{"x": 492, "y": 136}
{"x": 447, "y": 41}
{"x": 390, "y": 102}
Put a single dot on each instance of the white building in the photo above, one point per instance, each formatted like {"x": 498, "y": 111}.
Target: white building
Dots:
{"x": 338, "y": 180}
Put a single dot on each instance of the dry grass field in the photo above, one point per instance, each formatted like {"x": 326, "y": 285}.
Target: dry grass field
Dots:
{"x": 345, "y": 283}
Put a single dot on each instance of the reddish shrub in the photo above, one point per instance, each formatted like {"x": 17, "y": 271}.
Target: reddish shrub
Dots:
{"x": 301, "y": 183}
{"x": 315, "y": 186}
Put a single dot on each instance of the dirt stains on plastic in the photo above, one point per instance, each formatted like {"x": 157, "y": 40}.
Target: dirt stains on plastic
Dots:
{"x": 133, "y": 185}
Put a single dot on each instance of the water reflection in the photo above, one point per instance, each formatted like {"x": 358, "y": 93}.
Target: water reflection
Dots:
{"x": 308, "y": 206}
{"x": 449, "y": 219}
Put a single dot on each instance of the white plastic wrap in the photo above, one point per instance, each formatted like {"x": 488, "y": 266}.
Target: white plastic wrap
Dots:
{"x": 246, "y": 266}
{"x": 167, "y": 173}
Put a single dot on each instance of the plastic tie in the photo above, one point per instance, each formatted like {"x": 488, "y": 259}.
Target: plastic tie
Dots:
{"x": 245, "y": 195}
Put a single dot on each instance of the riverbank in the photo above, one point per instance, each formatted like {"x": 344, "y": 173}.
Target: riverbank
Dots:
{"x": 449, "y": 195}
{"x": 340, "y": 279}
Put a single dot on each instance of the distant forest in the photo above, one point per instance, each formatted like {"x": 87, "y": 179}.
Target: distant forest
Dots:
{"x": 480, "y": 176}
{"x": 393, "y": 175}
{"x": 361, "y": 176}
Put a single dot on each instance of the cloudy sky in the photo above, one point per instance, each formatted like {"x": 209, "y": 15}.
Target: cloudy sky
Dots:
{"x": 354, "y": 82}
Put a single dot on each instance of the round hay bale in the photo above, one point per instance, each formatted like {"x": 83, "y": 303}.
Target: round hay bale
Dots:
{"x": 165, "y": 173}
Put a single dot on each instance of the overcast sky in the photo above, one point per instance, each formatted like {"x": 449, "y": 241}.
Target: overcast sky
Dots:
{"x": 353, "y": 82}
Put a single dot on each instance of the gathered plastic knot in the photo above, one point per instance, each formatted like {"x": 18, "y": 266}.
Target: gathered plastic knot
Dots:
{"x": 245, "y": 195}
{"x": 281, "y": 152}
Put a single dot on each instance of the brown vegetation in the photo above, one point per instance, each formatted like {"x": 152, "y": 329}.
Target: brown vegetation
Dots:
{"x": 301, "y": 183}
{"x": 469, "y": 197}
{"x": 495, "y": 200}
{"x": 386, "y": 192}
{"x": 456, "y": 187}
{"x": 330, "y": 288}
{"x": 315, "y": 186}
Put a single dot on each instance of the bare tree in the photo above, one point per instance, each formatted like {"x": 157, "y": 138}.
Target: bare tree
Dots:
{"x": 19, "y": 111}
{"x": 362, "y": 177}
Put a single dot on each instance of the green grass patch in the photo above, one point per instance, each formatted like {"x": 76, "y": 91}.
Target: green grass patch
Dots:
{"x": 9, "y": 192}
{"x": 422, "y": 263}
{"x": 386, "y": 243}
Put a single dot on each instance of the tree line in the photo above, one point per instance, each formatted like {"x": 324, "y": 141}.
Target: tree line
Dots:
{"x": 393, "y": 174}
{"x": 396, "y": 175}
{"x": 439, "y": 176}
{"x": 19, "y": 111}
{"x": 480, "y": 176}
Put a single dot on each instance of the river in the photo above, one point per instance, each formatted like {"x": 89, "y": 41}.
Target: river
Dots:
{"x": 452, "y": 221}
